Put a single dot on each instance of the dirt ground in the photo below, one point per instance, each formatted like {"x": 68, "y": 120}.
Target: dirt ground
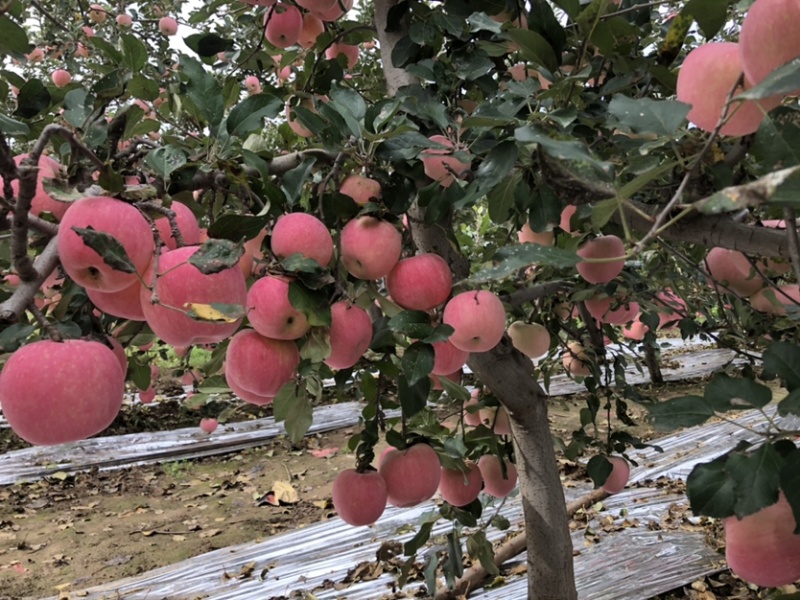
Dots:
{"x": 70, "y": 532}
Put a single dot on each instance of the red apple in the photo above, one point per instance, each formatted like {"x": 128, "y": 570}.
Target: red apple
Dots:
{"x": 705, "y": 79}
{"x": 270, "y": 312}
{"x": 147, "y": 396}
{"x": 527, "y": 235}
{"x": 208, "y": 425}
{"x": 187, "y": 225}
{"x": 532, "y": 339}
{"x": 61, "y": 77}
{"x": 42, "y": 201}
{"x": 97, "y": 13}
{"x": 60, "y": 392}
{"x": 359, "y": 498}
{"x": 472, "y": 419}
{"x": 168, "y": 25}
{"x": 447, "y": 358}
{"x": 459, "y": 488}
{"x": 125, "y": 304}
{"x": 361, "y": 189}
{"x": 494, "y": 482}
{"x": 440, "y": 164}
{"x": 180, "y": 283}
{"x": 768, "y": 38}
{"x": 370, "y": 248}
{"x": 351, "y": 334}
{"x": 673, "y": 308}
{"x": 732, "y": 269}
{"x": 313, "y": 27}
{"x": 284, "y": 25}
{"x": 606, "y": 247}
{"x": 350, "y": 53}
{"x": 478, "y": 318}
{"x": 412, "y": 475}
{"x": 620, "y": 473}
{"x": 575, "y": 360}
{"x": 421, "y": 282}
{"x": 116, "y": 218}
{"x": 259, "y": 366}
{"x": 334, "y": 13}
{"x": 124, "y": 20}
{"x": 304, "y": 234}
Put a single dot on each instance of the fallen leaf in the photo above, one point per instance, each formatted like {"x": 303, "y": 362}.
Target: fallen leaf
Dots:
{"x": 284, "y": 492}
{"x": 210, "y": 533}
{"x": 324, "y": 452}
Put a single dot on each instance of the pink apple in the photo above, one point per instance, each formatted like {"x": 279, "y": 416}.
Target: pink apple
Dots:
{"x": 351, "y": 334}
{"x": 459, "y": 488}
{"x": 492, "y": 471}
{"x": 620, "y": 473}
{"x": 412, "y": 476}
{"x": 421, "y": 282}
{"x": 370, "y": 248}
{"x": 300, "y": 233}
{"x": 313, "y": 27}
{"x": 350, "y": 53}
{"x": 147, "y": 396}
{"x": 208, "y": 425}
{"x": 49, "y": 168}
{"x": 252, "y": 85}
{"x": 284, "y": 25}
{"x": 180, "y": 283}
{"x": 532, "y": 339}
{"x": 606, "y": 247}
{"x": 732, "y": 269}
{"x": 527, "y": 235}
{"x": 440, "y": 165}
{"x": 575, "y": 360}
{"x": 60, "y": 392}
{"x": 124, "y": 20}
{"x": 270, "y": 312}
{"x": 768, "y": 38}
{"x": 61, "y": 77}
{"x": 97, "y": 13}
{"x": 259, "y": 366}
{"x": 361, "y": 189}
{"x": 359, "y": 498}
{"x": 168, "y": 26}
{"x": 119, "y": 220}
{"x": 478, "y": 318}
{"x": 125, "y": 303}
{"x": 334, "y": 13}
{"x": 447, "y": 358}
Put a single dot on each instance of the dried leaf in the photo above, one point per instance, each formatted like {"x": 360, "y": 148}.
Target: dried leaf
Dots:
{"x": 283, "y": 492}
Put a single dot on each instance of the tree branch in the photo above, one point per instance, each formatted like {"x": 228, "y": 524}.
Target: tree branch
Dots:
{"x": 388, "y": 36}
{"x": 23, "y": 295}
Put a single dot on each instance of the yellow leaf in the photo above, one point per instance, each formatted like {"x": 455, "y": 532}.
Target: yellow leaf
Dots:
{"x": 205, "y": 312}
{"x": 284, "y": 492}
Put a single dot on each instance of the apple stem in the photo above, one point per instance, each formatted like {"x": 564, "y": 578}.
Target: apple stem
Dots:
{"x": 52, "y": 332}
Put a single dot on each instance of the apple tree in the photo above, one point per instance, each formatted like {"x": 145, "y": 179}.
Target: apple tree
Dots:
{"x": 304, "y": 190}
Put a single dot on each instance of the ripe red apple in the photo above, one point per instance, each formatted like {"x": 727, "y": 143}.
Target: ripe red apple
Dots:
{"x": 440, "y": 164}
{"x": 412, "y": 475}
{"x": 124, "y": 20}
{"x": 304, "y": 234}
{"x": 496, "y": 418}
{"x": 252, "y": 253}
{"x": 284, "y": 25}
{"x": 768, "y": 38}
{"x": 527, "y": 235}
{"x": 313, "y": 27}
{"x": 351, "y": 334}
{"x": 436, "y": 380}
{"x": 116, "y": 218}
{"x": 125, "y": 303}
{"x": 119, "y": 352}
{"x": 209, "y": 425}
{"x": 421, "y": 282}
{"x": 350, "y": 53}
{"x": 61, "y": 77}
{"x": 532, "y": 339}
{"x": 361, "y": 189}
{"x": 147, "y": 396}
{"x": 620, "y": 474}
{"x": 270, "y": 312}
{"x": 675, "y": 308}
{"x": 635, "y": 331}
{"x": 706, "y": 77}
{"x": 97, "y": 13}
{"x": 478, "y": 318}
{"x": 566, "y": 217}
{"x": 359, "y": 498}
{"x": 252, "y": 85}
{"x": 370, "y": 248}
{"x": 762, "y": 548}
{"x": 606, "y": 247}
{"x": 774, "y": 301}
{"x": 317, "y": 5}
{"x": 472, "y": 419}
{"x": 459, "y": 488}
{"x": 447, "y": 358}
{"x": 180, "y": 283}
{"x": 60, "y": 392}
{"x": 259, "y": 366}
{"x": 334, "y": 13}
{"x": 187, "y": 225}
{"x": 42, "y": 201}
{"x": 492, "y": 472}
{"x": 168, "y": 25}
{"x": 575, "y": 360}
{"x": 732, "y": 269}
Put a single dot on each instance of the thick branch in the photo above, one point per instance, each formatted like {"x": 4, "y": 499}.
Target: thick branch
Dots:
{"x": 389, "y": 33}
{"x": 23, "y": 295}
{"x": 535, "y": 292}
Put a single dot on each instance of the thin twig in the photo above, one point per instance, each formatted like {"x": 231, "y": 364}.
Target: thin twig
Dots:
{"x": 790, "y": 217}
{"x": 53, "y": 333}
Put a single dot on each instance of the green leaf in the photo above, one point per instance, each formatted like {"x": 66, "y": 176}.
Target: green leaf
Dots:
{"x": 709, "y": 14}
{"x": 12, "y": 337}
{"x": 208, "y": 44}
{"x": 248, "y": 116}
{"x": 497, "y": 165}
{"x": 32, "y": 99}
{"x": 783, "y": 359}
{"x": 790, "y": 405}
{"x": 725, "y": 393}
{"x": 453, "y": 390}
{"x": 216, "y": 255}
{"x": 314, "y": 304}
{"x": 134, "y": 52}
{"x": 643, "y": 115}
{"x": 685, "y": 411}
{"x": 412, "y": 323}
{"x": 560, "y": 149}
{"x": 420, "y": 539}
{"x": 509, "y": 259}
{"x": 777, "y": 141}
{"x": 413, "y": 398}
{"x": 534, "y": 48}
{"x": 108, "y": 247}
{"x": 299, "y": 418}
{"x": 757, "y": 477}
{"x": 13, "y": 38}
{"x": 790, "y": 484}
{"x": 481, "y": 548}
{"x": 203, "y": 90}
{"x": 284, "y": 401}
{"x": 417, "y": 362}
{"x": 295, "y": 179}
{"x": 317, "y": 346}
{"x": 144, "y": 88}
{"x": 11, "y": 126}
{"x": 501, "y": 197}
{"x": 711, "y": 490}
{"x": 164, "y": 160}
{"x": 783, "y": 80}
{"x": 599, "y": 468}
{"x": 235, "y": 227}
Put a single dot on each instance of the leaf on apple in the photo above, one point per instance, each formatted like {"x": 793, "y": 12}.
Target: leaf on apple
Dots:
{"x": 215, "y": 312}
{"x": 108, "y": 247}
{"x": 215, "y": 256}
